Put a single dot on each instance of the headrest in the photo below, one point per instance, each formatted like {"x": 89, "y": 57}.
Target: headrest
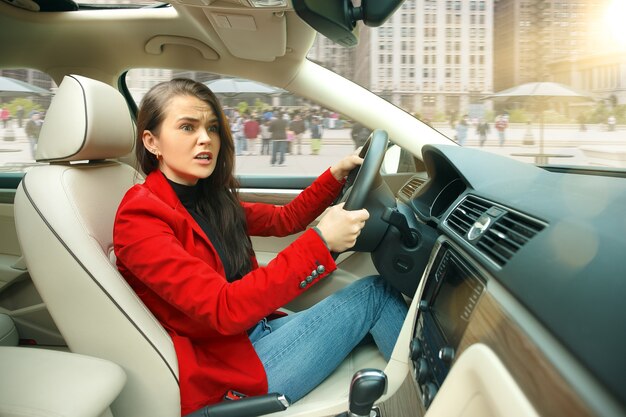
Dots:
{"x": 87, "y": 120}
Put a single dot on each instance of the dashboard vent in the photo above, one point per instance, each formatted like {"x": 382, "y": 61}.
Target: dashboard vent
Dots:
{"x": 464, "y": 216}
{"x": 410, "y": 187}
{"x": 506, "y": 236}
{"x": 496, "y": 232}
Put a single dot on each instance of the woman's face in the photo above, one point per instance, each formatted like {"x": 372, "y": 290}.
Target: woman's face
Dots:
{"x": 188, "y": 141}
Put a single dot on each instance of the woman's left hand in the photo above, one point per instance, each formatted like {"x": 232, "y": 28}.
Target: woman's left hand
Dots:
{"x": 342, "y": 168}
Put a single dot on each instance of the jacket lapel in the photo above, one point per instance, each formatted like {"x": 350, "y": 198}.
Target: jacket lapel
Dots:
{"x": 157, "y": 183}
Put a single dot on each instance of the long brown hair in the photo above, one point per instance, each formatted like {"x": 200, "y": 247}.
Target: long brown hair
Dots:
{"x": 218, "y": 199}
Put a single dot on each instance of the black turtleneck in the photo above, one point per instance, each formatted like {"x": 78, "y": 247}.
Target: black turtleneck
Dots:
{"x": 188, "y": 195}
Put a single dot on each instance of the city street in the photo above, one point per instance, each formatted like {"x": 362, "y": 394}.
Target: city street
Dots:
{"x": 595, "y": 146}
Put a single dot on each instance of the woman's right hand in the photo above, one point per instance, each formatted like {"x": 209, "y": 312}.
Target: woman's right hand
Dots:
{"x": 340, "y": 228}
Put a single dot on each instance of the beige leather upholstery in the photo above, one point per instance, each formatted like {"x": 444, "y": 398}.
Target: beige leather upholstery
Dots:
{"x": 64, "y": 216}
{"x": 8, "y": 332}
{"x": 46, "y": 383}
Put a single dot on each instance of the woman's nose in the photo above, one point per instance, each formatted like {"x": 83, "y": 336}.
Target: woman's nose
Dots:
{"x": 204, "y": 136}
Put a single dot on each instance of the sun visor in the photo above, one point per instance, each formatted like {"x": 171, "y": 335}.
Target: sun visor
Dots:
{"x": 261, "y": 36}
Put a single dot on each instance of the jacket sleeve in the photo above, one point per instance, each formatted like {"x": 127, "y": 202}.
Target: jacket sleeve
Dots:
{"x": 150, "y": 245}
{"x": 270, "y": 220}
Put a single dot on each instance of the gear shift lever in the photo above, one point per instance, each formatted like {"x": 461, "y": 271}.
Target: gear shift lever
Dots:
{"x": 367, "y": 386}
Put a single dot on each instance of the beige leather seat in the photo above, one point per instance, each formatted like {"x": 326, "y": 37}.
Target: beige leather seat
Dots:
{"x": 64, "y": 216}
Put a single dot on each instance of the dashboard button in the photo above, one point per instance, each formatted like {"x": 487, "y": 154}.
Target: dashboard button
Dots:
{"x": 423, "y": 371}
{"x": 428, "y": 393}
{"x": 416, "y": 348}
{"x": 446, "y": 354}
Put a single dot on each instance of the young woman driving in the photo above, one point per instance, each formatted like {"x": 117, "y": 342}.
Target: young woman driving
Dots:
{"x": 182, "y": 241}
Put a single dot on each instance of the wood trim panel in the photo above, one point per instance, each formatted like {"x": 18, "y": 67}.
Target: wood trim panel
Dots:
{"x": 542, "y": 384}
{"x": 405, "y": 402}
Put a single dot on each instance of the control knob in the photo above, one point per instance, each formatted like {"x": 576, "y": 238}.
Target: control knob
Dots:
{"x": 423, "y": 371}
{"x": 429, "y": 391}
{"x": 416, "y": 349}
{"x": 446, "y": 354}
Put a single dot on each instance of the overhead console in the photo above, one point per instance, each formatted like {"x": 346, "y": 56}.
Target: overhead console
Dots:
{"x": 452, "y": 290}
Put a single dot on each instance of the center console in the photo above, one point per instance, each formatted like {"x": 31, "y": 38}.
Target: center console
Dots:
{"x": 452, "y": 290}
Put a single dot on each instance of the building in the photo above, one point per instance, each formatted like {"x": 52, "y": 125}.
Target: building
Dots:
{"x": 333, "y": 56}
{"x": 566, "y": 41}
{"x": 531, "y": 35}
{"x": 434, "y": 57}
{"x": 33, "y": 77}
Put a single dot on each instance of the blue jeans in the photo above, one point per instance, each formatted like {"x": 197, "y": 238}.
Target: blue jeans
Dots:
{"x": 300, "y": 350}
{"x": 241, "y": 144}
{"x": 278, "y": 147}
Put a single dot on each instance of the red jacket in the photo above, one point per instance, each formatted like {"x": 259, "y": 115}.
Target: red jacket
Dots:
{"x": 251, "y": 129}
{"x": 173, "y": 267}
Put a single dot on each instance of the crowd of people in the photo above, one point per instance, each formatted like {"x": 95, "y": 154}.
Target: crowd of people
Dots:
{"x": 31, "y": 127}
{"x": 482, "y": 128}
{"x": 276, "y": 132}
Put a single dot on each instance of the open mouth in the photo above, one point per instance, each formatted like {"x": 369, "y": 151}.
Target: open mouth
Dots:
{"x": 204, "y": 156}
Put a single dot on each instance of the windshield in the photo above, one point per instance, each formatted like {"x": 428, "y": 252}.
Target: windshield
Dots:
{"x": 542, "y": 82}
{"x": 539, "y": 81}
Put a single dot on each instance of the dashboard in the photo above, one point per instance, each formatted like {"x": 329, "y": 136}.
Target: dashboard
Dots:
{"x": 525, "y": 261}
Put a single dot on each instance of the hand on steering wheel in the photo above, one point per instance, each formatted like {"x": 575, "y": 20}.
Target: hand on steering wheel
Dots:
{"x": 364, "y": 178}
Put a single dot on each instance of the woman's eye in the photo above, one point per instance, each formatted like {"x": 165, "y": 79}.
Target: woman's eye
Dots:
{"x": 187, "y": 128}
{"x": 213, "y": 129}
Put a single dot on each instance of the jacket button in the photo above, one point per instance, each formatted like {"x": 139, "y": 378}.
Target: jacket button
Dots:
{"x": 314, "y": 273}
{"x": 309, "y": 279}
{"x": 321, "y": 269}
{"x": 303, "y": 284}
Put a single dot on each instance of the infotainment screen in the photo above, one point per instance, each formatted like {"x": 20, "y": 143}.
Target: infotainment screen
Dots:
{"x": 459, "y": 291}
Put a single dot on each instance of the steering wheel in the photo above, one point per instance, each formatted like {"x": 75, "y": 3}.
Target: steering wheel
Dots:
{"x": 362, "y": 178}
{"x": 360, "y": 183}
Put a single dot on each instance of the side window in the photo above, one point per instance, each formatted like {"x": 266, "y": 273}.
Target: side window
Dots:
{"x": 275, "y": 132}
{"x": 25, "y": 96}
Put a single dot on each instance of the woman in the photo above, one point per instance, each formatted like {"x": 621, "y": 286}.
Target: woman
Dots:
{"x": 182, "y": 242}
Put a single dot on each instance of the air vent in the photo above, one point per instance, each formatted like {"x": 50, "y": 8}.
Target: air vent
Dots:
{"x": 506, "y": 236}
{"x": 494, "y": 230}
{"x": 410, "y": 187}
{"x": 464, "y": 216}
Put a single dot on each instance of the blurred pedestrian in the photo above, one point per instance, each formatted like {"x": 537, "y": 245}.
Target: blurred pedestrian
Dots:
{"x": 278, "y": 128}
{"x": 611, "y": 123}
{"x": 359, "y": 134}
{"x": 501, "y": 124}
{"x": 4, "y": 116}
{"x": 32, "y": 130}
{"x": 19, "y": 114}
{"x": 266, "y": 137}
{"x": 316, "y": 136}
{"x": 461, "y": 130}
{"x": 297, "y": 127}
{"x": 251, "y": 131}
{"x": 482, "y": 129}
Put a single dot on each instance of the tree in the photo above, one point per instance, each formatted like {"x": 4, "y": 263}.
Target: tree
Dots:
{"x": 242, "y": 106}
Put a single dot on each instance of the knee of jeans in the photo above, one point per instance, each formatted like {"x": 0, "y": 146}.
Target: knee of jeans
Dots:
{"x": 381, "y": 284}
{"x": 370, "y": 280}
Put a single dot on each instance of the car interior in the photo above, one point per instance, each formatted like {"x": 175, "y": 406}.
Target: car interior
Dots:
{"x": 513, "y": 272}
